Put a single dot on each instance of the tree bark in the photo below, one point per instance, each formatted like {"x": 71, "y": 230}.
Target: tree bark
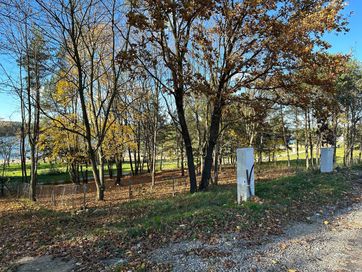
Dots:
{"x": 100, "y": 183}
{"x": 119, "y": 171}
{"x": 187, "y": 139}
{"x": 154, "y": 145}
{"x": 182, "y": 159}
{"x": 216, "y": 164}
{"x": 310, "y": 139}
{"x": 306, "y": 139}
{"x": 214, "y": 133}
{"x": 130, "y": 161}
{"x": 284, "y": 135}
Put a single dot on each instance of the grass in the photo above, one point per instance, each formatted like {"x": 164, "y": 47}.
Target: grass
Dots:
{"x": 293, "y": 155}
{"x": 308, "y": 189}
{"x": 306, "y": 186}
{"x": 161, "y": 215}
{"x": 57, "y": 173}
{"x": 112, "y": 232}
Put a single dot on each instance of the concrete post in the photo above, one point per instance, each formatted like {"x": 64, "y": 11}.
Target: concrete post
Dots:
{"x": 327, "y": 159}
{"x": 245, "y": 173}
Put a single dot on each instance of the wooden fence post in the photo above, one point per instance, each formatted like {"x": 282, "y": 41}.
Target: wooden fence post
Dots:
{"x": 63, "y": 196}
{"x": 53, "y": 197}
{"x": 84, "y": 196}
{"x": 129, "y": 190}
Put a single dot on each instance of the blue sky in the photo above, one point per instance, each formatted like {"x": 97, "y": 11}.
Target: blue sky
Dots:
{"x": 350, "y": 42}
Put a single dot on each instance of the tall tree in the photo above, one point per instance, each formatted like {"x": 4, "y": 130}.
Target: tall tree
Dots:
{"x": 349, "y": 95}
{"x": 35, "y": 58}
{"x": 165, "y": 31}
{"x": 89, "y": 34}
{"x": 248, "y": 43}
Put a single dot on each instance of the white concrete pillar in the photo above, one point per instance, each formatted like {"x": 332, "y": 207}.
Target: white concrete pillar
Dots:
{"x": 327, "y": 159}
{"x": 245, "y": 169}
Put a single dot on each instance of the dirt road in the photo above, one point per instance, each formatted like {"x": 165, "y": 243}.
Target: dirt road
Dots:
{"x": 326, "y": 242}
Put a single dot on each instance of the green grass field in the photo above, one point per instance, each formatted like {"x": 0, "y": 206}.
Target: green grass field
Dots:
{"x": 57, "y": 173}
{"x": 282, "y": 155}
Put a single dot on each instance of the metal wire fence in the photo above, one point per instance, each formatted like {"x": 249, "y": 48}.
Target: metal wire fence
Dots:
{"x": 76, "y": 196}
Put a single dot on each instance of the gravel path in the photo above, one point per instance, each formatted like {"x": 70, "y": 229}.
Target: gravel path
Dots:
{"x": 325, "y": 243}
{"x": 42, "y": 264}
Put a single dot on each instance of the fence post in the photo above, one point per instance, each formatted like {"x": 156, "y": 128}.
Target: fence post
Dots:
{"x": 53, "y": 197}
{"x": 84, "y": 195}
{"x": 74, "y": 193}
{"x": 63, "y": 195}
{"x": 129, "y": 190}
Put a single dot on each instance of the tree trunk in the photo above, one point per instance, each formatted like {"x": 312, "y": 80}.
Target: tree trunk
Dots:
{"x": 130, "y": 161}
{"x": 33, "y": 140}
{"x": 119, "y": 171}
{"x": 306, "y": 140}
{"x": 296, "y": 135}
{"x": 135, "y": 162}
{"x": 74, "y": 172}
{"x": 179, "y": 101}
{"x": 335, "y": 122}
{"x": 182, "y": 160}
{"x": 154, "y": 150}
{"x": 214, "y": 132}
{"x": 33, "y": 173}
{"x": 353, "y": 136}
{"x": 260, "y": 149}
{"x": 346, "y": 144}
{"x": 24, "y": 177}
{"x": 216, "y": 164}
{"x": 23, "y": 126}
{"x": 99, "y": 177}
{"x": 139, "y": 148}
{"x": 85, "y": 179}
{"x": 110, "y": 171}
{"x": 317, "y": 150}
{"x": 284, "y": 135}
{"x": 310, "y": 140}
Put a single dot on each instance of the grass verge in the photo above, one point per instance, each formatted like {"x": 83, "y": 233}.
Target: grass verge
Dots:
{"x": 130, "y": 230}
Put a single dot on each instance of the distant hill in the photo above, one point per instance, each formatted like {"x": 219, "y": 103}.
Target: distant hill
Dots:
{"x": 9, "y": 128}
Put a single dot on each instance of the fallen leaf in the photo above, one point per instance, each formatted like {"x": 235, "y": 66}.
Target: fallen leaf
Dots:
{"x": 283, "y": 246}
